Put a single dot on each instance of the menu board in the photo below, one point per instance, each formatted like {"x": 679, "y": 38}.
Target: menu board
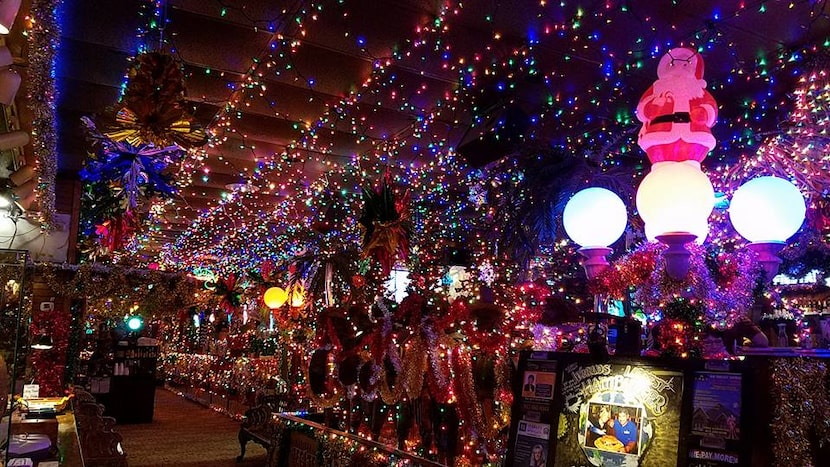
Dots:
{"x": 535, "y": 414}
{"x": 619, "y": 414}
{"x": 716, "y": 419}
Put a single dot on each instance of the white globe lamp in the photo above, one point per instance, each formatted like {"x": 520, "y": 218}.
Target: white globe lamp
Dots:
{"x": 594, "y": 218}
{"x": 675, "y": 197}
{"x": 675, "y": 200}
{"x": 767, "y": 211}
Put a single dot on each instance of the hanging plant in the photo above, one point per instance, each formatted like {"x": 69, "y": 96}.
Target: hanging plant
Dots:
{"x": 153, "y": 106}
{"x": 528, "y": 193}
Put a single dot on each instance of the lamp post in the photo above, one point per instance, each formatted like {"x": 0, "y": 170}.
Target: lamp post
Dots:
{"x": 676, "y": 197}
{"x": 767, "y": 211}
{"x": 675, "y": 200}
{"x": 595, "y": 218}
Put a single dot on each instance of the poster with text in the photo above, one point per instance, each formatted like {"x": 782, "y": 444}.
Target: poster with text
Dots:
{"x": 716, "y": 419}
{"x": 536, "y": 392}
{"x": 539, "y": 379}
{"x": 619, "y": 415}
{"x": 531, "y": 449}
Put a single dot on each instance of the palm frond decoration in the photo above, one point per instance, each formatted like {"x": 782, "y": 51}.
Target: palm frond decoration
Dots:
{"x": 528, "y": 209}
{"x": 153, "y": 107}
{"x": 386, "y": 224}
{"x": 328, "y": 275}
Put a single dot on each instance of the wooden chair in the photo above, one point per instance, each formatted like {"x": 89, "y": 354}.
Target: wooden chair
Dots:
{"x": 100, "y": 445}
{"x": 256, "y": 424}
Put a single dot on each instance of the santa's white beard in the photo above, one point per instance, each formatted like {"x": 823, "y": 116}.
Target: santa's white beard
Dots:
{"x": 681, "y": 90}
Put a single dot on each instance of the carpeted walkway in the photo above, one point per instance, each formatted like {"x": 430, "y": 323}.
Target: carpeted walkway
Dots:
{"x": 186, "y": 434}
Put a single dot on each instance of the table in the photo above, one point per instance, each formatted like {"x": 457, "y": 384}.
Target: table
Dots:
{"x": 60, "y": 431}
{"x": 47, "y": 426}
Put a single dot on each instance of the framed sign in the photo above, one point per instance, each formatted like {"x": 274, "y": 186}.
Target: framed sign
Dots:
{"x": 716, "y": 419}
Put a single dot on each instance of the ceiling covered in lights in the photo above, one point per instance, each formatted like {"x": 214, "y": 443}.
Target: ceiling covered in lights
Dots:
{"x": 291, "y": 90}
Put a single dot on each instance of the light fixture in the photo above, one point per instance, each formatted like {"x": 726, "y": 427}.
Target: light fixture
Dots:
{"x": 594, "y": 218}
{"x": 43, "y": 342}
{"x": 275, "y": 297}
{"x": 676, "y": 255}
{"x": 9, "y": 85}
{"x": 135, "y": 323}
{"x": 8, "y": 12}
{"x": 9, "y": 79}
{"x": 767, "y": 211}
{"x": 24, "y": 183}
{"x": 296, "y": 296}
{"x": 675, "y": 197}
{"x": 10, "y": 202}
{"x": 675, "y": 200}
{"x": 243, "y": 187}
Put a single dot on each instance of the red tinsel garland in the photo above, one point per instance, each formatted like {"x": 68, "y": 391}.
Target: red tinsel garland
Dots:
{"x": 49, "y": 365}
{"x": 726, "y": 289}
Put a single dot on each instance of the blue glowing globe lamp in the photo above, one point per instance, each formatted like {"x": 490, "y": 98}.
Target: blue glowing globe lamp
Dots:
{"x": 767, "y": 211}
{"x": 594, "y": 218}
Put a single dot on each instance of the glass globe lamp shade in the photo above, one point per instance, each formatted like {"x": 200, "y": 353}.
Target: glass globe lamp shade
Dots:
{"x": 675, "y": 197}
{"x": 595, "y": 217}
{"x": 8, "y": 13}
{"x": 275, "y": 297}
{"x": 297, "y": 296}
{"x": 767, "y": 209}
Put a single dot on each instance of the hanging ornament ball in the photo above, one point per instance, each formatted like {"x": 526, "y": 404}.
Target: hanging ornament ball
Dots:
{"x": 275, "y": 297}
{"x": 358, "y": 281}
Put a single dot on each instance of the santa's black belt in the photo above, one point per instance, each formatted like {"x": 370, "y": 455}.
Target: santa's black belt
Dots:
{"x": 677, "y": 117}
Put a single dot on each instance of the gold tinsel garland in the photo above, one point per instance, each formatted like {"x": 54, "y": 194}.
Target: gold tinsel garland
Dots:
{"x": 414, "y": 375}
{"x": 324, "y": 401}
{"x": 800, "y": 394}
{"x": 468, "y": 400}
{"x": 411, "y": 378}
{"x": 44, "y": 39}
{"x": 114, "y": 290}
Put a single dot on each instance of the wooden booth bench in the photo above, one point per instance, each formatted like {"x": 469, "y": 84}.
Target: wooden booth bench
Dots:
{"x": 256, "y": 424}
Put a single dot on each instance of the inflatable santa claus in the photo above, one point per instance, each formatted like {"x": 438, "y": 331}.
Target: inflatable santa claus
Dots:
{"x": 676, "y": 197}
{"x": 677, "y": 112}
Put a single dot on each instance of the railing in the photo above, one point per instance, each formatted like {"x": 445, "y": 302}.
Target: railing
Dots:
{"x": 330, "y": 433}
